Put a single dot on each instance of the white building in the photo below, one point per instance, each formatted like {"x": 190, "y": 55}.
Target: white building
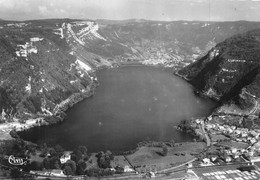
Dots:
{"x": 65, "y": 157}
{"x": 57, "y": 172}
{"x": 254, "y": 159}
{"x": 233, "y": 150}
{"x": 128, "y": 169}
{"x": 228, "y": 159}
{"x": 35, "y": 39}
{"x": 206, "y": 160}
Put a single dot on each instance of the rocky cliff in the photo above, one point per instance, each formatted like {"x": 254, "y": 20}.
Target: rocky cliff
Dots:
{"x": 45, "y": 65}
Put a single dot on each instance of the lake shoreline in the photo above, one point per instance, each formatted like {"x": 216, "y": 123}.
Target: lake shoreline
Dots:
{"x": 62, "y": 110}
{"x": 59, "y": 114}
{"x": 166, "y": 82}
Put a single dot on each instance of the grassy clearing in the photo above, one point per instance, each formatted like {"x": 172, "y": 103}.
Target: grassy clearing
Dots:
{"x": 218, "y": 137}
{"x": 147, "y": 158}
{"x": 92, "y": 162}
{"x": 36, "y": 157}
{"x": 119, "y": 161}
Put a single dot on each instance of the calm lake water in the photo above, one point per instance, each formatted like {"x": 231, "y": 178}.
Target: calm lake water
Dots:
{"x": 132, "y": 104}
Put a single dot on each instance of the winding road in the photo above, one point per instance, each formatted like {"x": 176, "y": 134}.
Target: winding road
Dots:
{"x": 205, "y": 133}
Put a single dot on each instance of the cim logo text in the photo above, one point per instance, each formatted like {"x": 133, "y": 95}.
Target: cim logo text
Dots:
{"x": 16, "y": 160}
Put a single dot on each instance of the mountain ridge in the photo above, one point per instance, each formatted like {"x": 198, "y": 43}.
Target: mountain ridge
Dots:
{"x": 230, "y": 73}
{"x": 45, "y": 62}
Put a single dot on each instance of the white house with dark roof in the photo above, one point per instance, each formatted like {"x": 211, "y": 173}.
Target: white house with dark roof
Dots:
{"x": 65, "y": 157}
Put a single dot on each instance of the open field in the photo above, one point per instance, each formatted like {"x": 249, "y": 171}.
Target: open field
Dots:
{"x": 218, "y": 137}
{"x": 149, "y": 158}
{"x": 92, "y": 162}
{"x": 36, "y": 157}
{"x": 119, "y": 161}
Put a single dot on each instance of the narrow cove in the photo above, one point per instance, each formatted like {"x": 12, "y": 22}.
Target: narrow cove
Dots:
{"x": 132, "y": 104}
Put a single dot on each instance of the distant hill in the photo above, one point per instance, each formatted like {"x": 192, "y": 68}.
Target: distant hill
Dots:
{"x": 107, "y": 21}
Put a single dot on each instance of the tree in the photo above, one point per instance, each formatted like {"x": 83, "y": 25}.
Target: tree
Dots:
{"x": 86, "y": 158}
{"x": 81, "y": 167}
{"x": 83, "y": 150}
{"x": 34, "y": 166}
{"x": 172, "y": 142}
{"x": 14, "y": 134}
{"x": 55, "y": 163}
{"x": 96, "y": 172}
{"x": 52, "y": 152}
{"x": 44, "y": 150}
{"x": 73, "y": 157}
{"x": 67, "y": 170}
{"x": 15, "y": 173}
{"x": 78, "y": 155}
{"x": 119, "y": 170}
{"x": 164, "y": 150}
{"x": 72, "y": 166}
{"x": 102, "y": 162}
{"x": 109, "y": 155}
{"x": 93, "y": 172}
{"x": 104, "y": 159}
{"x": 59, "y": 150}
{"x": 46, "y": 163}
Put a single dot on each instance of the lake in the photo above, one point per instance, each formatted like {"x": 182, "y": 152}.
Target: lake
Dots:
{"x": 132, "y": 104}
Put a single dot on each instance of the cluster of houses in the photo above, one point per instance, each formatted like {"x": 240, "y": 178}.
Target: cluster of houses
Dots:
{"x": 250, "y": 137}
{"x": 228, "y": 155}
{"x": 27, "y": 48}
{"x": 17, "y": 25}
{"x": 24, "y": 50}
{"x": 237, "y": 134}
{"x": 156, "y": 56}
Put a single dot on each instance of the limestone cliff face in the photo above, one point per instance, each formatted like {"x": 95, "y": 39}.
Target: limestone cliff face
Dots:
{"x": 230, "y": 72}
{"x": 173, "y": 44}
{"x": 45, "y": 65}
{"x": 37, "y": 71}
